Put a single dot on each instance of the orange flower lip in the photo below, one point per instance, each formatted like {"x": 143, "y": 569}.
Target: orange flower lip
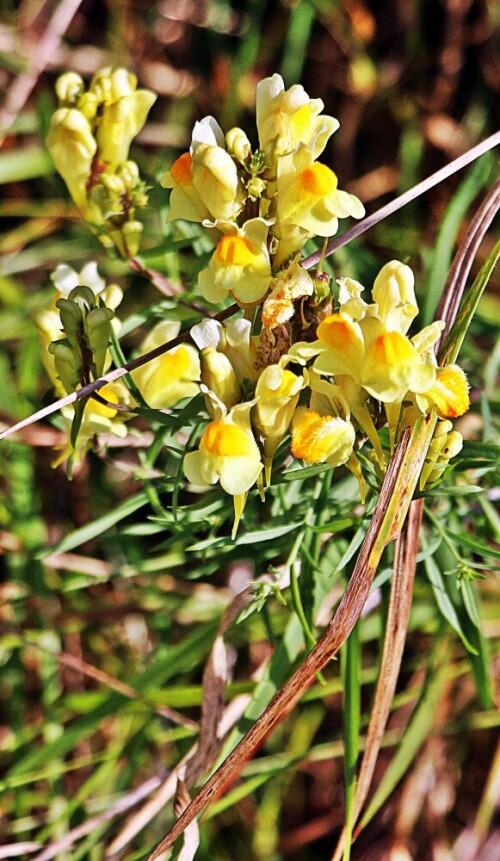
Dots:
{"x": 225, "y": 440}
{"x": 336, "y": 331}
{"x": 234, "y": 251}
{"x": 181, "y": 170}
{"x": 318, "y": 180}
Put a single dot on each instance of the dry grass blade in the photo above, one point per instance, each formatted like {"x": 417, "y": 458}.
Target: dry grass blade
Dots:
{"x": 398, "y": 615}
{"x": 388, "y": 518}
{"x": 124, "y": 803}
{"x": 401, "y": 201}
{"x": 461, "y": 266}
{"x": 40, "y": 54}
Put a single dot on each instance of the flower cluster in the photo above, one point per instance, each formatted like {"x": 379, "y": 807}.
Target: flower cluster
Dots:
{"x": 263, "y": 205}
{"x": 300, "y": 367}
{"x": 89, "y": 141}
{"x": 314, "y": 373}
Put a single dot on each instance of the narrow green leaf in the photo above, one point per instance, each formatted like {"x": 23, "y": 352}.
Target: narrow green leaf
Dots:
{"x": 441, "y": 593}
{"x": 448, "y": 232}
{"x": 350, "y": 666}
{"x": 456, "y": 335}
{"x": 97, "y": 527}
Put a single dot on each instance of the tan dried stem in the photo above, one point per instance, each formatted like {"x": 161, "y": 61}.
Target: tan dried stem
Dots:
{"x": 40, "y": 53}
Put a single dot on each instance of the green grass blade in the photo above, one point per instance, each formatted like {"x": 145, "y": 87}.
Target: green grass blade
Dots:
{"x": 350, "y": 667}
{"x": 448, "y": 232}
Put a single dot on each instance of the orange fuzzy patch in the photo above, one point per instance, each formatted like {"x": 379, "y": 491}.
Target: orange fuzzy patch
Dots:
{"x": 312, "y": 437}
{"x": 391, "y": 348}
{"x": 450, "y": 392}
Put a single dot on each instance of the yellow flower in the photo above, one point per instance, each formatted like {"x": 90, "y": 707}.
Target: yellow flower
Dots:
{"x": 227, "y": 454}
{"x": 393, "y": 291}
{"x": 289, "y": 119}
{"x": 240, "y": 265}
{"x": 308, "y": 203}
{"x": 123, "y": 114}
{"x": 450, "y": 393}
{"x": 72, "y": 147}
{"x": 172, "y": 376}
{"x": 234, "y": 340}
{"x": 321, "y": 439}
{"x": 277, "y": 394}
{"x": 98, "y": 420}
{"x": 185, "y": 202}
{"x": 215, "y": 174}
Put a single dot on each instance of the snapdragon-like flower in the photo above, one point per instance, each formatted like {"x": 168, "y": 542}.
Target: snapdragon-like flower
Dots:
{"x": 289, "y": 119}
{"x": 234, "y": 340}
{"x": 240, "y": 265}
{"x": 276, "y": 394}
{"x": 450, "y": 393}
{"x": 321, "y": 439}
{"x": 172, "y": 376}
{"x": 205, "y": 181}
{"x": 308, "y": 203}
{"x": 227, "y": 454}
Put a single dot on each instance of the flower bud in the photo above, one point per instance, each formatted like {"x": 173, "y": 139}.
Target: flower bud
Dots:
{"x": 68, "y": 364}
{"x": 88, "y": 105}
{"x": 256, "y": 187}
{"x": 68, "y": 88}
{"x": 238, "y": 144}
{"x": 217, "y": 373}
{"x": 71, "y": 320}
{"x": 129, "y": 173}
{"x": 446, "y": 443}
{"x": 98, "y": 331}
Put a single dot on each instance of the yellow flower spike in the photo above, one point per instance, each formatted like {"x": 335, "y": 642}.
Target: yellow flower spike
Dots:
{"x": 289, "y": 119}
{"x": 229, "y": 454}
{"x": 450, "y": 393}
{"x": 392, "y": 367}
{"x": 320, "y": 439}
{"x": 172, "y": 376}
{"x": 277, "y": 394}
{"x": 240, "y": 265}
{"x": 393, "y": 291}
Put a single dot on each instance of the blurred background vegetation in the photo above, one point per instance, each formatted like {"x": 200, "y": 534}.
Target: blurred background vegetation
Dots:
{"x": 108, "y": 610}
